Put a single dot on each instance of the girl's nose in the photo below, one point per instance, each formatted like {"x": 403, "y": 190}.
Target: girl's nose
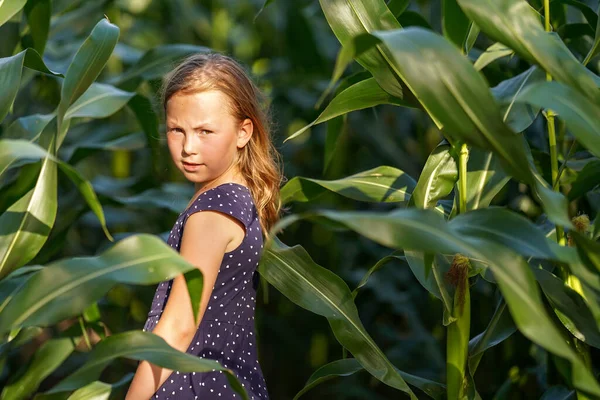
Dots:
{"x": 189, "y": 144}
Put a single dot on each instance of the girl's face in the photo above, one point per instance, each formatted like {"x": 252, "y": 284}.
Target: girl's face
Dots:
{"x": 203, "y": 137}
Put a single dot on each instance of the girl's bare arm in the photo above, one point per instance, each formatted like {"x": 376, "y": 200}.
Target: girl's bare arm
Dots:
{"x": 204, "y": 242}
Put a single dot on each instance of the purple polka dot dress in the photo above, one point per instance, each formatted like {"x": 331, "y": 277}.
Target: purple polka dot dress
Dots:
{"x": 226, "y": 333}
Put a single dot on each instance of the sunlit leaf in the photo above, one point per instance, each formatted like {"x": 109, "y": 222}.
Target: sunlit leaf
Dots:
{"x": 364, "y": 94}
{"x": 10, "y": 74}
{"x": 491, "y": 54}
{"x": 427, "y": 231}
{"x": 351, "y": 18}
{"x": 295, "y": 274}
{"x": 66, "y": 287}
{"x": 438, "y": 177}
{"x": 580, "y": 114}
{"x": 459, "y": 100}
{"x": 139, "y": 345}
{"x": 381, "y": 184}
{"x": 517, "y": 25}
{"x": 87, "y": 64}
{"x": 8, "y": 8}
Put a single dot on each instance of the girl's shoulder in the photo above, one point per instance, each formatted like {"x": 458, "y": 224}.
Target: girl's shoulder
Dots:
{"x": 232, "y": 199}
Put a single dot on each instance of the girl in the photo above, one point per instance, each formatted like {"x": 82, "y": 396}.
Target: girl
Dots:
{"x": 218, "y": 137}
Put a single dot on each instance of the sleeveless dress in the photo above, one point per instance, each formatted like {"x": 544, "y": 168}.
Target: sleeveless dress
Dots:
{"x": 226, "y": 333}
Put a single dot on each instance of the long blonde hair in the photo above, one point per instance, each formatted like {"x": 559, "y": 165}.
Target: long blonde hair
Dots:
{"x": 259, "y": 161}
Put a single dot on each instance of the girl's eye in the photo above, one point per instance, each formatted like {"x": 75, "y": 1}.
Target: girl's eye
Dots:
{"x": 205, "y": 132}
{"x": 175, "y": 130}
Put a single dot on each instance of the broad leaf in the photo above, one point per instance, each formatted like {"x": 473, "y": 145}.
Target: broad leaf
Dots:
{"x": 437, "y": 179}
{"x": 455, "y": 24}
{"x": 10, "y": 74}
{"x": 97, "y": 390}
{"x": 351, "y": 18}
{"x": 155, "y": 63}
{"x": 374, "y": 269}
{"x": 381, "y": 184}
{"x": 344, "y": 367}
{"x": 501, "y": 225}
{"x": 485, "y": 178}
{"x": 500, "y": 327}
{"x": 587, "y": 179}
{"x": 491, "y": 54}
{"x": 568, "y": 303}
{"x": 38, "y": 14}
{"x": 45, "y": 360}
{"x": 517, "y": 115}
{"x": 139, "y": 345}
{"x": 580, "y": 114}
{"x": 459, "y": 100}
{"x": 29, "y": 128}
{"x": 596, "y": 46}
{"x": 364, "y": 94}
{"x": 427, "y": 231}
{"x": 99, "y": 101}
{"x": 8, "y": 8}
{"x": 291, "y": 271}
{"x": 20, "y": 151}
{"x": 148, "y": 120}
{"x": 26, "y": 224}
{"x": 87, "y": 64}
{"x": 66, "y": 287}
{"x": 172, "y": 196}
{"x": 516, "y": 24}
{"x": 336, "y": 129}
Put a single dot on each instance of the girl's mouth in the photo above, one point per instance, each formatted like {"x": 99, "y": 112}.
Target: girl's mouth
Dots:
{"x": 190, "y": 166}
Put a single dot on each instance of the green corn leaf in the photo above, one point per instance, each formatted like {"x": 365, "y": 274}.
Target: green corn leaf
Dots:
{"x": 491, "y": 54}
{"x": 458, "y": 99}
{"x": 87, "y": 64}
{"x": 14, "y": 151}
{"x": 8, "y": 8}
{"x": 344, "y": 367}
{"x": 10, "y": 75}
{"x": 570, "y": 307}
{"x": 26, "y": 224}
{"x": 139, "y": 345}
{"x": 45, "y": 360}
{"x": 364, "y": 94}
{"x": 155, "y": 63}
{"x": 427, "y": 231}
{"x": 66, "y": 287}
{"x": 500, "y": 327}
{"x": 38, "y": 14}
{"x": 294, "y": 273}
{"x": 349, "y": 19}
{"x": 381, "y": 184}
{"x": 517, "y": 25}
{"x": 580, "y": 114}
{"x": 437, "y": 179}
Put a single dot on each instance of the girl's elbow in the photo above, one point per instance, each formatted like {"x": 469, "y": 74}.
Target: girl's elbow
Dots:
{"x": 186, "y": 333}
{"x": 176, "y": 333}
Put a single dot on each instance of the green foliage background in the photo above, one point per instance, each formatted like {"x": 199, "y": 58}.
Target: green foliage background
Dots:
{"x": 375, "y": 150}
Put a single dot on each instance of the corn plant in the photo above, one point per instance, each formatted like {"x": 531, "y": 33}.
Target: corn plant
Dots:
{"x": 445, "y": 225}
{"x": 35, "y": 296}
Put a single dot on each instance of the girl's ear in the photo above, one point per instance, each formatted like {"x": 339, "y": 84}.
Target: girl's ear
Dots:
{"x": 245, "y": 132}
